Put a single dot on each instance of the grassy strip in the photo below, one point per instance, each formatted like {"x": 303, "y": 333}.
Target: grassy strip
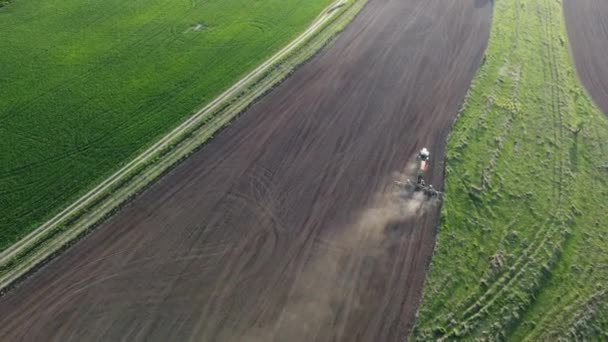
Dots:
{"x": 62, "y": 235}
{"x": 522, "y": 251}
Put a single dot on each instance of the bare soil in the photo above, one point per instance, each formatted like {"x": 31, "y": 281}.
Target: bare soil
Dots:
{"x": 587, "y": 26}
{"x": 280, "y": 228}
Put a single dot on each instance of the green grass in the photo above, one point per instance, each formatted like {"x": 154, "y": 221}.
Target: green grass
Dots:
{"x": 86, "y": 85}
{"x": 522, "y": 250}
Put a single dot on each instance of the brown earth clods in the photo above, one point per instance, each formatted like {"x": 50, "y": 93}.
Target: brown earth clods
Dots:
{"x": 279, "y": 228}
{"x": 587, "y": 26}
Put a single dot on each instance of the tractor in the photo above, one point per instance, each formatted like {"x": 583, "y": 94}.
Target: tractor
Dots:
{"x": 423, "y": 158}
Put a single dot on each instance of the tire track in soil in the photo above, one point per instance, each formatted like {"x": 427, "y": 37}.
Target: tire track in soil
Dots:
{"x": 587, "y": 26}
{"x": 276, "y": 228}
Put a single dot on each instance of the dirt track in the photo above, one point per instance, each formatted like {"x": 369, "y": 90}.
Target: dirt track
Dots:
{"x": 587, "y": 24}
{"x": 276, "y": 229}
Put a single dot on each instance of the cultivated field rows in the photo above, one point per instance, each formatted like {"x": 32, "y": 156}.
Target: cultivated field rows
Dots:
{"x": 279, "y": 227}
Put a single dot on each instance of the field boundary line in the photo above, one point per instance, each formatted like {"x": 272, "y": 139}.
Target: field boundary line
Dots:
{"x": 109, "y": 195}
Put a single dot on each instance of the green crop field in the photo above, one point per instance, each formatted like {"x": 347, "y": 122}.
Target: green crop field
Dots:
{"x": 522, "y": 251}
{"x": 86, "y": 85}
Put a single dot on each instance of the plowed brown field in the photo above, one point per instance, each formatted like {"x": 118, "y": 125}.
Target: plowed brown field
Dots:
{"x": 587, "y": 24}
{"x": 277, "y": 229}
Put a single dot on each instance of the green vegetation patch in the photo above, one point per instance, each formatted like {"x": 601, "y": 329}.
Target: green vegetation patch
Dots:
{"x": 522, "y": 251}
{"x": 87, "y": 85}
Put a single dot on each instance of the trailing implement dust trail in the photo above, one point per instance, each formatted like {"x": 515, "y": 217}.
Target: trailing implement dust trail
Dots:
{"x": 235, "y": 241}
{"x": 328, "y": 286}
